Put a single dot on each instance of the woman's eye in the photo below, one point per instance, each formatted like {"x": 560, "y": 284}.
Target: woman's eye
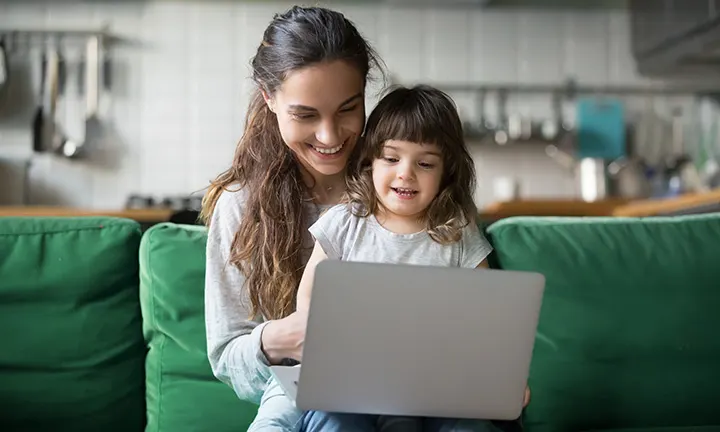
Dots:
{"x": 302, "y": 116}
{"x": 349, "y": 109}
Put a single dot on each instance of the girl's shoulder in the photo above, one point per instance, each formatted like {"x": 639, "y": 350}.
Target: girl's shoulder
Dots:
{"x": 338, "y": 212}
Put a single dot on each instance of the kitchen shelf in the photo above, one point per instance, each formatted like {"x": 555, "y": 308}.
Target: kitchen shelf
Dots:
{"x": 572, "y": 89}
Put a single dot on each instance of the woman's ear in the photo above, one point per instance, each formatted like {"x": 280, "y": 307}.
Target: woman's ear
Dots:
{"x": 268, "y": 100}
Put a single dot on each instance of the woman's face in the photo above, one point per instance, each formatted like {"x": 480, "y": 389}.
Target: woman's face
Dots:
{"x": 321, "y": 113}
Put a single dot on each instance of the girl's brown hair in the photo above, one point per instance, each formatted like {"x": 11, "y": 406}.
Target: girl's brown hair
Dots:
{"x": 268, "y": 245}
{"x": 423, "y": 115}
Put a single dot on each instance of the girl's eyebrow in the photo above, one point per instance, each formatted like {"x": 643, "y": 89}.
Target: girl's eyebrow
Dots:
{"x": 427, "y": 152}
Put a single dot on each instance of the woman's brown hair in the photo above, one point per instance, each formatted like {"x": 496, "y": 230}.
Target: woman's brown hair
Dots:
{"x": 423, "y": 115}
{"x": 267, "y": 247}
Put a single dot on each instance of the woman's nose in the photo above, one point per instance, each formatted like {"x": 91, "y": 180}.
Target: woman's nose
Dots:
{"x": 328, "y": 134}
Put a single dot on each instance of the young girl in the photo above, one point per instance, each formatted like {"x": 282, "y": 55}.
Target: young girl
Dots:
{"x": 409, "y": 200}
{"x": 409, "y": 192}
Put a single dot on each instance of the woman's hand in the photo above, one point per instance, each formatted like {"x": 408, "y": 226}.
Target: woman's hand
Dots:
{"x": 526, "y": 399}
{"x": 284, "y": 338}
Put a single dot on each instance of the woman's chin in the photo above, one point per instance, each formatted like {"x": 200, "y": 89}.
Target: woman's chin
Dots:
{"x": 328, "y": 166}
{"x": 330, "y": 170}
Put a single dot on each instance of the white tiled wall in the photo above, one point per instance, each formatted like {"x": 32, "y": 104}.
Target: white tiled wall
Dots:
{"x": 181, "y": 83}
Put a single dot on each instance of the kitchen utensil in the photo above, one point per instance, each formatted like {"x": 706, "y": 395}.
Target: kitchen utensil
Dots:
{"x": 478, "y": 129}
{"x": 600, "y": 128}
{"x": 506, "y": 188}
{"x": 501, "y": 134}
{"x": 4, "y": 64}
{"x": 593, "y": 179}
{"x": 93, "y": 127}
{"x": 45, "y": 120}
{"x": 590, "y": 173}
{"x": 90, "y": 85}
{"x": 39, "y": 117}
{"x": 62, "y": 70}
{"x": 681, "y": 172}
{"x": 628, "y": 178}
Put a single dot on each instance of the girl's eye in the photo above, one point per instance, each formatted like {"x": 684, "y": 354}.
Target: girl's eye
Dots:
{"x": 390, "y": 159}
{"x": 426, "y": 165}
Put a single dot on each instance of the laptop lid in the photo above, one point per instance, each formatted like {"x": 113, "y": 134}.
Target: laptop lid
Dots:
{"x": 419, "y": 341}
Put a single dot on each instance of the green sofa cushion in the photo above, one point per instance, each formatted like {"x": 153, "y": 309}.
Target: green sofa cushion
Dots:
{"x": 182, "y": 393}
{"x": 628, "y": 332}
{"x": 72, "y": 353}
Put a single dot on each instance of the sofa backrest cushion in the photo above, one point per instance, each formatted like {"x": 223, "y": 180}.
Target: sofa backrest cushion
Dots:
{"x": 628, "y": 332}
{"x": 72, "y": 353}
{"x": 182, "y": 393}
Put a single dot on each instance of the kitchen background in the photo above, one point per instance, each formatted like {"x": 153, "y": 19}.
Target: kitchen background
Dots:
{"x": 173, "y": 89}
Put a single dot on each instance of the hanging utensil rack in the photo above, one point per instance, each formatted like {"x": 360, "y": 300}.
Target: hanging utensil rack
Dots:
{"x": 20, "y": 40}
{"x": 567, "y": 91}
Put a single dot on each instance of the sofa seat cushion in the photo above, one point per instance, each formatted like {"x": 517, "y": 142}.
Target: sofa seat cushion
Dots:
{"x": 182, "y": 393}
{"x": 72, "y": 352}
{"x": 628, "y": 331}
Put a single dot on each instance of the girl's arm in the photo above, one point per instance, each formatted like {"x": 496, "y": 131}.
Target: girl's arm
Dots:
{"x": 306, "y": 283}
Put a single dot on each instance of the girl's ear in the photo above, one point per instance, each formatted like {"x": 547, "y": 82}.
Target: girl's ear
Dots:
{"x": 268, "y": 100}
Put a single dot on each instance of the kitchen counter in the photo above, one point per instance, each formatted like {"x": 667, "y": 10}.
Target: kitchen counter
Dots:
{"x": 140, "y": 215}
{"x": 707, "y": 201}
{"x": 550, "y": 207}
{"x": 690, "y": 203}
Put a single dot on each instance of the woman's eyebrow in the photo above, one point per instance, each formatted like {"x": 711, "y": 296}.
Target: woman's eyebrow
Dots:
{"x": 351, "y": 99}
{"x": 309, "y": 108}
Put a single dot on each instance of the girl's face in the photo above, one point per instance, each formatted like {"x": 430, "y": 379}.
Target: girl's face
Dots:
{"x": 321, "y": 113}
{"x": 407, "y": 178}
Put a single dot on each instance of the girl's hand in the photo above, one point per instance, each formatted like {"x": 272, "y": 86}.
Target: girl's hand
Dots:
{"x": 526, "y": 399}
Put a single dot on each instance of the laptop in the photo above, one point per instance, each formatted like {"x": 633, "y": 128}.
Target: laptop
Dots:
{"x": 416, "y": 341}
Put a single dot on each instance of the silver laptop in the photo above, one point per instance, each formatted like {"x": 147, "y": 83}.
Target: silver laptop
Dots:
{"x": 417, "y": 341}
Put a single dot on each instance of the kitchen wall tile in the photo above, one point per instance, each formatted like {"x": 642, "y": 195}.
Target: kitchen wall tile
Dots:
{"x": 586, "y": 47}
{"x": 181, "y": 85}
{"x": 494, "y": 46}
{"x": 404, "y": 43}
{"x": 447, "y": 34}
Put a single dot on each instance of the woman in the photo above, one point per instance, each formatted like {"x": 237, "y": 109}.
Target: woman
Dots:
{"x": 305, "y": 118}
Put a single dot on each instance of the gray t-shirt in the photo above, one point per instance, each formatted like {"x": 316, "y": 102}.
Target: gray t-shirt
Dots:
{"x": 344, "y": 236}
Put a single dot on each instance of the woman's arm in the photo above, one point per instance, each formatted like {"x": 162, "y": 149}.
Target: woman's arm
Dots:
{"x": 306, "y": 283}
{"x": 240, "y": 350}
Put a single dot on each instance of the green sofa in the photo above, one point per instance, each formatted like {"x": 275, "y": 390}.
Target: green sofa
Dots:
{"x": 103, "y": 325}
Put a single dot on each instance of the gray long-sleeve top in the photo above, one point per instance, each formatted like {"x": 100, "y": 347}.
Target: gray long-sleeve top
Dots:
{"x": 233, "y": 340}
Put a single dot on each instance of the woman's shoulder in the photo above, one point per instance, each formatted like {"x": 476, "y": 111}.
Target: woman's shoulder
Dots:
{"x": 233, "y": 196}
{"x": 232, "y": 200}
{"x": 229, "y": 207}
